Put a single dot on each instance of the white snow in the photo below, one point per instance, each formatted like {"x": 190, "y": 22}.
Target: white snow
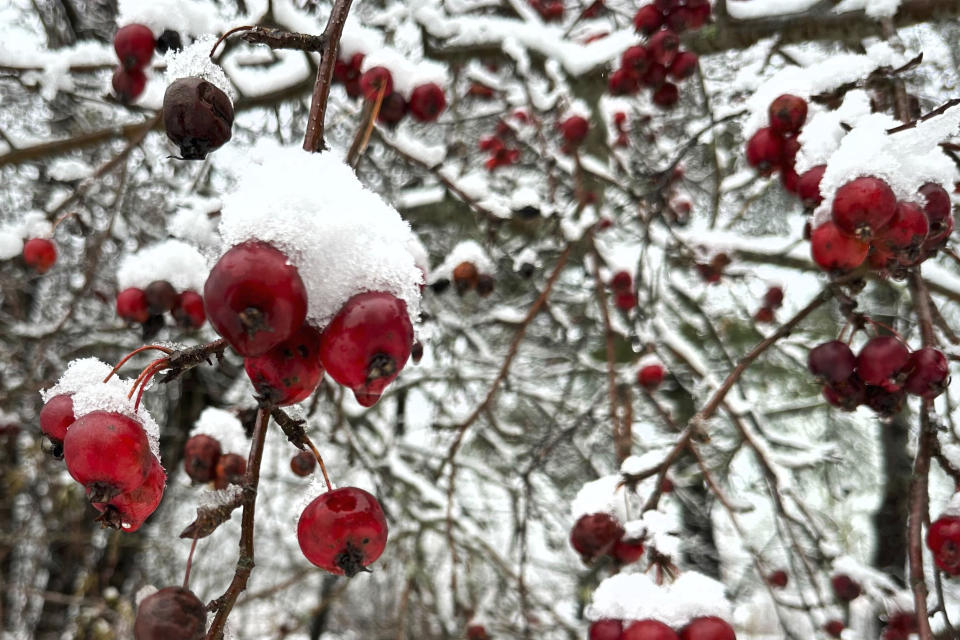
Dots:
{"x": 194, "y": 62}
{"x": 634, "y": 596}
{"x": 175, "y": 261}
{"x": 464, "y": 251}
{"x": 407, "y": 74}
{"x": 189, "y": 17}
{"x": 222, "y": 425}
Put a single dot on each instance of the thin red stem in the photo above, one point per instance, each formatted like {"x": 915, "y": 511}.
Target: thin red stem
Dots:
{"x": 323, "y": 467}
{"x": 193, "y": 547}
{"x": 135, "y": 352}
{"x": 227, "y": 35}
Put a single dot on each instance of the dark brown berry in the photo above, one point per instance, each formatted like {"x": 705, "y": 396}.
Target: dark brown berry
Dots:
{"x": 197, "y": 116}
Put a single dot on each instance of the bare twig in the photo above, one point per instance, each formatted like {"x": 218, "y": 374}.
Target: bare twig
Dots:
{"x": 313, "y": 140}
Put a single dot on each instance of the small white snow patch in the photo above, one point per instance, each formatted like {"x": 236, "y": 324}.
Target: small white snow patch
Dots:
{"x": 222, "y": 425}
{"x": 175, "y": 261}
{"x": 194, "y": 62}
{"x": 466, "y": 251}
{"x": 189, "y": 17}
{"x": 634, "y": 596}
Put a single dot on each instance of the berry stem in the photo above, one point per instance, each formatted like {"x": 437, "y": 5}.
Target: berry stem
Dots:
{"x": 193, "y": 547}
{"x": 313, "y": 140}
{"x": 227, "y": 35}
{"x": 143, "y": 373}
{"x": 886, "y": 328}
{"x": 367, "y": 120}
{"x": 323, "y": 467}
{"x": 135, "y": 352}
{"x": 154, "y": 369}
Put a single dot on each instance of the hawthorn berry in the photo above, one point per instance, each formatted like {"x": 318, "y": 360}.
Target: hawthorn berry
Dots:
{"x": 832, "y": 362}
{"x": 343, "y": 531}
{"x": 943, "y": 539}
{"x": 808, "y": 186}
{"x": 881, "y": 361}
{"x": 161, "y": 297}
{"x": 764, "y": 314}
{"x": 230, "y": 469}
{"x": 606, "y": 629}
{"x": 647, "y": 19}
{"x": 834, "y": 628}
{"x": 936, "y": 204}
{"x": 625, "y": 300}
{"x": 465, "y": 277}
{"x": 681, "y": 18}
{"x": 132, "y": 305}
{"x": 651, "y": 376}
{"x": 648, "y": 630}
{"x": 708, "y": 628}
{"x": 128, "y": 84}
{"x": 485, "y": 285}
{"x": 623, "y": 82}
{"x": 907, "y": 229}
{"x": 375, "y": 80}
{"x": 290, "y": 371}
{"x": 636, "y": 59}
{"x": 188, "y": 310}
{"x": 787, "y": 114}
{"x": 128, "y": 511}
{"x": 834, "y": 250}
{"x": 939, "y": 234}
{"x": 778, "y": 579}
{"x": 134, "y": 45}
{"x": 900, "y": 625}
{"x": 684, "y": 66}
{"x": 863, "y": 206}
{"x": 392, "y": 109}
{"x": 40, "y": 254}
{"x": 773, "y": 298}
{"x": 764, "y": 151}
{"x": 108, "y": 453}
{"x": 927, "y": 373}
{"x": 621, "y": 281}
{"x": 664, "y": 47}
{"x": 628, "y": 551}
{"x": 477, "y": 632}
{"x": 303, "y": 463}
{"x": 655, "y": 76}
{"x": 197, "y": 116}
{"x": 594, "y": 535}
{"x": 574, "y": 130}
{"x": 844, "y": 587}
{"x": 666, "y": 95}
{"x": 171, "y": 613}
{"x": 367, "y": 343}
{"x": 254, "y": 298}
{"x": 56, "y": 416}
{"x": 700, "y": 13}
{"x": 427, "y": 102}
{"x": 200, "y": 456}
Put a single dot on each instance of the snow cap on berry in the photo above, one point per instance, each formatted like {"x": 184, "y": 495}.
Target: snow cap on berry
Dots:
{"x": 635, "y": 596}
{"x": 194, "y": 62}
{"x": 407, "y": 74}
{"x": 194, "y": 18}
{"x": 14, "y": 233}
{"x": 465, "y": 251}
{"x": 222, "y": 425}
{"x": 175, "y": 261}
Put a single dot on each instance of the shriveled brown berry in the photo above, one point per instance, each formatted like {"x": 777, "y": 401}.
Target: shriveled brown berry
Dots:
{"x": 172, "y": 613}
{"x": 201, "y": 454}
{"x": 197, "y": 116}
{"x": 230, "y": 470}
{"x": 465, "y": 276}
{"x": 161, "y": 297}
{"x": 303, "y": 463}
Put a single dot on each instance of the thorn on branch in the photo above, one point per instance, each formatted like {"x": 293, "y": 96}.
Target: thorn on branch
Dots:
{"x": 292, "y": 428}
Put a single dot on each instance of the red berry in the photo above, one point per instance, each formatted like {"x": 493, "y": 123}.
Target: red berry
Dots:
{"x": 128, "y": 84}
{"x": 655, "y": 76}
{"x": 844, "y": 587}
{"x": 881, "y": 361}
{"x": 172, "y": 612}
{"x": 132, "y": 305}
{"x": 290, "y": 371}
{"x": 907, "y": 229}
{"x": 834, "y": 628}
{"x": 789, "y": 148}
{"x": 621, "y": 281}
{"x": 883, "y": 402}
{"x": 787, "y": 113}
{"x": 197, "y": 116}
{"x": 936, "y": 205}
{"x": 392, "y": 109}
{"x": 427, "y": 102}
{"x": 161, "y": 297}
{"x": 623, "y": 82}
{"x": 684, "y": 66}
{"x": 303, "y": 463}
{"x": 682, "y": 18}
{"x": 928, "y": 373}
{"x": 254, "y": 298}
{"x": 134, "y": 45}
{"x": 477, "y": 632}
{"x": 778, "y": 579}
{"x": 773, "y": 298}
{"x": 108, "y": 453}
{"x": 231, "y": 468}
{"x": 847, "y": 395}
{"x": 625, "y": 300}
{"x": 188, "y": 310}
{"x": 647, "y": 20}
{"x": 709, "y": 628}
{"x": 651, "y": 376}
{"x": 56, "y": 416}
{"x": 764, "y": 151}
{"x": 833, "y": 250}
{"x": 551, "y": 10}
{"x": 808, "y": 186}
{"x": 904, "y": 622}
{"x": 666, "y": 95}
{"x": 594, "y": 535}
{"x": 201, "y": 454}
{"x": 648, "y": 630}
{"x": 832, "y": 362}
{"x": 465, "y": 276}
{"x": 943, "y": 539}
{"x": 666, "y": 6}
{"x": 40, "y": 254}
{"x": 628, "y": 551}
{"x": 128, "y": 511}
{"x": 864, "y": 206}
{"x": 343, "y": 531}
{"x": 664, "y": 47}
{"x": 636, "y": 59}
{"x": 574, "y": 130}
{"x": 367, "y": 343}
{"x": 374, "y": 80}
{"x": 605, "y": 630}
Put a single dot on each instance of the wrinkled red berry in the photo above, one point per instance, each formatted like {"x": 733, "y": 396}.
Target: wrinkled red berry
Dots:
{"x": 230, "y": 469}
{"x": 172, "y": 613}
{"x": 864, "y": 206}
{"x": 40, "y": 254}
{"x": 881, "y": 361}
{"x": 907, "y": 229}
{"x": 290, "y": 371}
{"x": 594, "y": 535}
{"x": 128, "y": 84}
{"x": 188, "y": 310}
{"x": 56, "y": 416}
{"x": 134, "y": 45}
{"x": 834, "y": 250}
{"x": 844, "y": 587}
{"x": 427, "y": 102}
{"x": 343, "y": 531}
{"x": 787, "y": 114}
{"x": 108, "y": 453}
{"x": 927, "y": 373}
{"x": 197, "y": 116}
{"x": 943, "y": 539}
{"x": 201, "y": 453}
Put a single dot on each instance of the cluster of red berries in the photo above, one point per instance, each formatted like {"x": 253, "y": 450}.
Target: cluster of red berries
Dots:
{"x": 140, "y": 305}
{"x": 705, "y": 628}
{"x": 255, "y": 299}
{"x": 651, "y": 376}
{"x": 466, "y": 277}
{"x": 943, "y": 539}
{"x": 427, "y": 101}
{"x": 900, "y": 626}
{"x": 868, "y": 223}
{"x": 661, "y": 57}
{"x": 125, "y": 486}
{"x": 711, "y": 271}
{"x": 623, "y": 295}
{"x": 39, "y": 254}
{"x": 772, "y": 300}
{"x": 600, "y": 534}
{"x": 135, "y": 44}
{"x": 501, "y": 154}
{"x": 204, "y": 461}
{"x": 879, "y": 376}
{"x": 775, "y": 147}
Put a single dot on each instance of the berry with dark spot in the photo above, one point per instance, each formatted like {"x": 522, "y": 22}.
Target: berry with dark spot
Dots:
{"x": 595, "y": 535}
{"x": 303, "y": 463}
{"x": 290, "y": 371}
{"x": 201, "y": 454}
{"x": 134, "y": 45}
{"x": 108, "y": 453}
{"x": 343, "y": 531}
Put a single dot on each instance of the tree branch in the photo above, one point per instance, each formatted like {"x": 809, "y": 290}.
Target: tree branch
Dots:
{"x": 313, "y": 140}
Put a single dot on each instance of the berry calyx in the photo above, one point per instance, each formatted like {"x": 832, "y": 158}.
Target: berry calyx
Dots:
{"x": 928, "y": 373}
{"x": 367, "y": 344}
{"x": 201, "y": 454}
{"x": 664, "y": 46}
{"x": 832, "y": 362}
{"x": 808, "y": 186}
{"x": 230, "y": 469}
{"x": 764, "y": 150}
{"x": 943, "y": 539}
{"x": 427, "y": 102}
{"x": 108, "y": 453}
{"x": 343, "y": 531}
{"x": 594, "y": 535}
{"x": 56, "y": 416}
{"x": 188, "y": 310}
{"x": 708, "y": 628}
{"x": 40, "y": 254}
{"x": 254, "y": 298}
{"x": 864, "y": 206}
{"x": 132, "y": 305}
{"x": 648, "y": 630}
{"x": 161, "y": 297}
{"x": 197, "y": 116}
{"x": 172, "y": 612}
{"x": 303, "y": 463}
{"x": 128, "y": 84}
{"x": 834, "y": 250}
{"x": 651, "y": 376}
{"x": 881, "y": 361}
{"x": 374, "y": 80}
{"x": 844, "y": 587}
{"x": 134, "y": 45}
{"x": 605, "y": 630}
{"x": 574, "y": 130}
{"x": 290, "y": 371}
{"x": 128, "y": 511}
{"x": 787, "y": 114}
